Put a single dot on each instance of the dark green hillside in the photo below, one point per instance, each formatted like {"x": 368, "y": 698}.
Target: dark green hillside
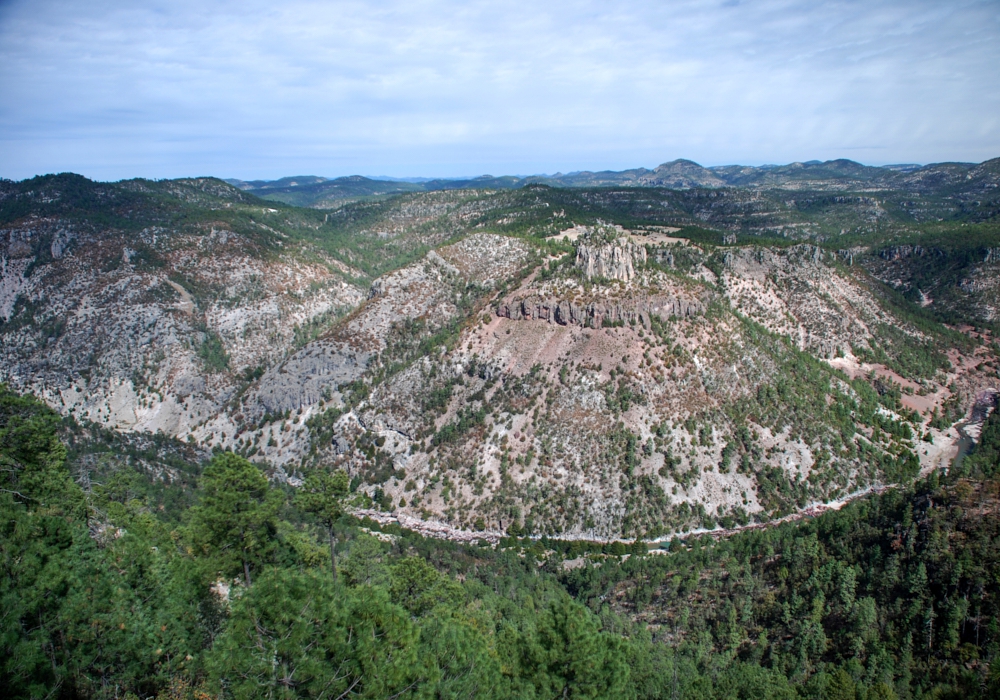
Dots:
{"x": 197, "y": 206}
{"x": 328, "y": 194}
{"x": 184, "y": 205}
{"x": 940, "y": 191}
{"x": 947, "y": 267}
{"x": 377, "y": 233}
{"x": 292, "y": 181}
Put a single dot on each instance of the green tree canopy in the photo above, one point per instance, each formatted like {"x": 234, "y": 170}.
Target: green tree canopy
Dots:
{"x": 568, "y": 657}
{"x": 299, "y": 635}
{"x": 32, "y": 458}
{"x": 322, "y": 494}
{"x": 236, "y": 519}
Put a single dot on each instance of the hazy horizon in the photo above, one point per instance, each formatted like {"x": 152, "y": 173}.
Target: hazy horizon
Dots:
{"x": 423, "y": 178}
{"x": 439, "y": 89}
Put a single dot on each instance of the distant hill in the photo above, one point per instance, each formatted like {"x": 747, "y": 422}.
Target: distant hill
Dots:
{"x": 294, "y": 181}
{"x": 680, "y": 174}
{"x": 324, "y": 193}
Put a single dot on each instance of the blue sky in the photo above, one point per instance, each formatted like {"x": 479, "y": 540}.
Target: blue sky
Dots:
{"x": 438, "y": 88}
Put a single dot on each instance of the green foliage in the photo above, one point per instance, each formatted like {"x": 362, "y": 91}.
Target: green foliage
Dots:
{"x": 323, "y": 495}
{"x": 295, "y": 635}
{"x": 366, "y": 562}
{"x": 437, "y": 400}
{"x": 32, "y": 458}
{"x": 620, "y": 395}
{"x": 84, "y": 616}
{"x": 213, "y": 353}
{"x": 467, "y": 420}
{"x": 893, "y": 596}
{"x": 910, "y": 357}
{"x": 985, "y": 458}
{"x": 235, "y": 521}
{"x": 880, "y": 590}
{"x": 419, "y": 587}
{"x": 568, "y": 657}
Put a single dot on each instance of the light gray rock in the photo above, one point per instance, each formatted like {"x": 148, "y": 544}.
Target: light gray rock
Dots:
{"x": 307, "y": 375}
{"x": 616, "y": 260}
{"x": 596, "y": 314}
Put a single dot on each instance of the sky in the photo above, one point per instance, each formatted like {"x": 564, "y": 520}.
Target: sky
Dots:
{"x": 440, "y": 88}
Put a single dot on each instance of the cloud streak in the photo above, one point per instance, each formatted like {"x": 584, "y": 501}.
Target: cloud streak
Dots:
{"x": 253, "y": 89}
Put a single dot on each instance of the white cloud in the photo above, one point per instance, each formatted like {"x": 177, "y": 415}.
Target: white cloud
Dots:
{"x": 255, "y": 89}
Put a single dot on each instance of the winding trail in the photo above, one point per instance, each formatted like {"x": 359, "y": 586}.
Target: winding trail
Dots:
{"x": 443, "y": 531}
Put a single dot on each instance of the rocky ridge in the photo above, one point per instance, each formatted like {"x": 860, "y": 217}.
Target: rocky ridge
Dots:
{"x": 613, "y": 260}
{"x": 619, "y": 385}
{"x": 489, "y": 458}
{"x": 598, "y": 314}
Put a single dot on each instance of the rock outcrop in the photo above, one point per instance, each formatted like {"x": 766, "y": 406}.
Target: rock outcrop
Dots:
{"x": 615, "y": 260}
{"x": 899, "y": 252}
{"x": 302, "y": 379}
{"x": 597, "y": 313}
{"x": 848, "y": 254}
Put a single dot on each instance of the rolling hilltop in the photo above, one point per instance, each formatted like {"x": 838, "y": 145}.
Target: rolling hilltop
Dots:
{"x": 594, "y": 362}
{"x": 962, "y": 182}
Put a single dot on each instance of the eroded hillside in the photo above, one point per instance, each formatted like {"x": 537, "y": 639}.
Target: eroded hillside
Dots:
{"x": 705, "y": 388}
{"x": 509, "y": 361}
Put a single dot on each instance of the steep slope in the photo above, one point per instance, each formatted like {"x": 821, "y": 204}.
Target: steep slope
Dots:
{"x": 673, "y": 397}
{"x": 950, "y": 272}
{"x": 155, "y": 321}
{"x": 583, "y": 362}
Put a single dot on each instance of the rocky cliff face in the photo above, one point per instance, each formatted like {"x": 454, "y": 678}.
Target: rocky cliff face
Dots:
{"x": 901, "y": 252}
{"x": 148, "y": 324}
{"x": 152, "y": 331}
{"x": 424, "y": 290}
{"x": 613, "y": 260}
{"x": 954, "y": 281}
{"x": 577, "y": 410}
{"x": 597, "y": 314}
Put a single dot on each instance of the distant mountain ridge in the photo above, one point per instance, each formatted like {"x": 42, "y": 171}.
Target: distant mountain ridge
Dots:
{"x": 680, "y": 174}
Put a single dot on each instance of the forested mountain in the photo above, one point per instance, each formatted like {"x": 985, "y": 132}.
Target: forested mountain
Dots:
{"x": 596, "y": 363}
{"x": 560, "y": 439}
{"x": 835, "y": 175}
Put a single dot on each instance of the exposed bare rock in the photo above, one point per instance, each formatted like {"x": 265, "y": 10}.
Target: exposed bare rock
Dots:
{"x": 613, "y": 260}
{"x": 424, "y": 290}
{"x": 900, "y": 252}
{"x": 12, "y": 283}
{"x": 308, "y": 376}
{"x": 795, "y": 293}
{"x": 848, "y": 254}
{"x": 151, "y": 331}
{"x": 596, "y": 313}
{"x": 641, "y": 385}
{"x": 485, "y": 259}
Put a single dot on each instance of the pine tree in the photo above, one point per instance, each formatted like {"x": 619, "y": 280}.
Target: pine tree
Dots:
{"x": 237, "y": 517}
{"x": 323, "y": 494}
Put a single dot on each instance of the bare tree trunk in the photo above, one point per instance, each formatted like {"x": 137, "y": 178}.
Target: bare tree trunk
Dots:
{"x": 333, "y": 555}
{"x": 246, "y": 572}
